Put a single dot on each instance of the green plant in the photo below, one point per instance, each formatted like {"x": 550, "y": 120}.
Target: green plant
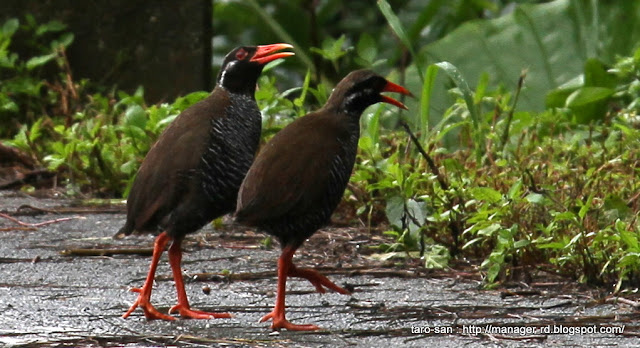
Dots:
{"x": 25, "y": 90}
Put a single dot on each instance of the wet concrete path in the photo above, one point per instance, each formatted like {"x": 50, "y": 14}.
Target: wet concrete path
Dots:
{"x": 49, "y": 298}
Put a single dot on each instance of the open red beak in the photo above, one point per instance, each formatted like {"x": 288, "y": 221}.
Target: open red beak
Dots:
{"x": 392, "y": 87}
{"x": 266, "y": 53}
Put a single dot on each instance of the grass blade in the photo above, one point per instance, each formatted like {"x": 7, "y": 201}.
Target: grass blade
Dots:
{"x": 467, "y": 94}
{"x": 398, "y": 29}
{"x": 425, "y": 99}
{"x": 282, "y": 34}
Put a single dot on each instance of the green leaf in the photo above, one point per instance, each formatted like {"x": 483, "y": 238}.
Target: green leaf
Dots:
{"x": 65, "y": 40}
{"x": 553, "y": 40}
{"x": 365, "y": 143}
{"x": 135, "y": 116}
{"x": 589, "y": 103}
{"x": 557, "y": 98}
{"x": 395, "y": 210}
{"x": 588, "y": 95}
{"x": 489, "y": 230}
{"x": 305, "y": 87}
{"x": 436, "y": 257}
{"x": 280, "y": 32}
{"x": 521, "y": 243}
{"x": 7, "y": 104}
{"x": 36, "y": 130}
{"x": 552, "y": 245}
{"x": 564, "y": 216}
{"x": 52, "y": 26}
{"x": 181, "y": 103}
{"x": 416, "y": 210}
{"x": 425, "y": 98}
{"x": 366, "y": 48}
{"x": 467, "y": 95}
{"x": 40, "y": 60}
{"x": 493, "y": 272}
{"x": 585, "y": 207}
{"x": 535, "y": 198}
{"x": 10, "y": 27}
{"x": 129, "y": 167}
{"x": 486, "y": 194}
{"x": 631, "y": 240}
{"x": 596, "y": 74}
{"x": 615, "y": 202}
{"x": 515, "y": 190}
{"x": 398, "y": 29}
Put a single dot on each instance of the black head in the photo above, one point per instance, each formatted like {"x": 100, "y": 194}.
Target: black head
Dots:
{"x": 243, "y": 65}
{"x": 362, "y": 88}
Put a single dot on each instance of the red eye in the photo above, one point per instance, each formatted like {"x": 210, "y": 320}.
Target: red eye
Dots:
{"x": 241, "y": 54}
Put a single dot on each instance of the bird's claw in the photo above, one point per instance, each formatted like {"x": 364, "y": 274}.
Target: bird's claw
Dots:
{"x": 279, "y": 322}
{"x": 150, "y": 312}
{"x": 189, "y": 313}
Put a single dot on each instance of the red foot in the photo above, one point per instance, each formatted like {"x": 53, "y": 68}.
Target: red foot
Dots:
{"x": 150, "y": 312}
{"x": 279, "y": 322}
{"x": 317, "y": 279}
{"x": 189, "y": 313}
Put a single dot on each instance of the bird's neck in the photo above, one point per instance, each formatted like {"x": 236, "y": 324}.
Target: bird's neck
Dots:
{"x": 237, "y": 84}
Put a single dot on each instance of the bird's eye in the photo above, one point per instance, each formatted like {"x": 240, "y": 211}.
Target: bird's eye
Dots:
{"x": 241, "y": 54}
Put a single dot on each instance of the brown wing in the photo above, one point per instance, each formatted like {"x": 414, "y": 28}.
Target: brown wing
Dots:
{"x": 158, "y": 184}
{"x": 292, "y": 170}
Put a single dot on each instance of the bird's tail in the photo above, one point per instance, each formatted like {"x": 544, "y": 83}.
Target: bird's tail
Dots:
{"x": 126, "y": 230}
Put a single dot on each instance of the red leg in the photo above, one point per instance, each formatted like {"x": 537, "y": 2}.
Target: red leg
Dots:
{"x": 175, "y": 258}
{"x": 144, "y": 297}
{"x": 277, "y": 315}
{"x": 317, "y": 279}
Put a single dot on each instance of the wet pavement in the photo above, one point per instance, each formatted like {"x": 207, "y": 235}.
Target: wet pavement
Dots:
{"x": 55, "y": 293}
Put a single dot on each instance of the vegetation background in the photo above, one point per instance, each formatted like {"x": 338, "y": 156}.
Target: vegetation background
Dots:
{"x": 520, "y": 154}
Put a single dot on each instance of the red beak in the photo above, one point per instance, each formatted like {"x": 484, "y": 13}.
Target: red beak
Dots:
{"x": 266, "y": 53}
{"x": 392, "y": 87}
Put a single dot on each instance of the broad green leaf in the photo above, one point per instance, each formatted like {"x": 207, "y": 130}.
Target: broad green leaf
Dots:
{"x": 366, "y": 48}
{"x": 589, "y": 103}
{"x": 493, "y": 272}
{"x": 552, "y": 40}
{"x": 588, "y": 95}
{"x": 135, "y": 116}
{"x": 631, "y": 240}
{"x": 596, "y": 74}
{"x": 535, "y": 198}
{"x": 486, "y": 194}
{"x": 436, "y": 257}
{"x": 395, "y": 210}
